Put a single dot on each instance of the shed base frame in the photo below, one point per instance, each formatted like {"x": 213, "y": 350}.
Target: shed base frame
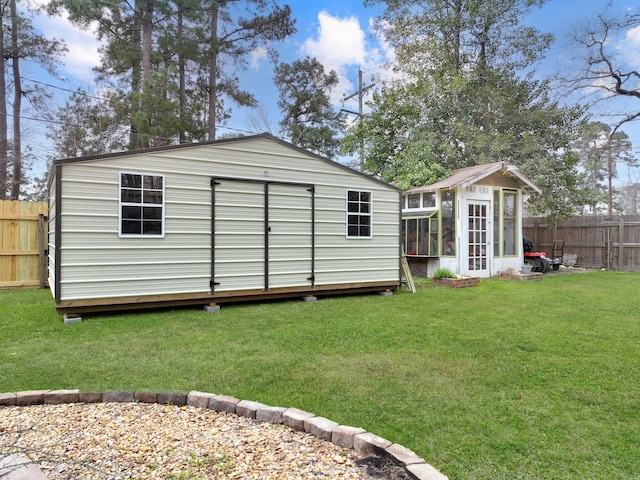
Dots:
{"x": 185, "y": 299}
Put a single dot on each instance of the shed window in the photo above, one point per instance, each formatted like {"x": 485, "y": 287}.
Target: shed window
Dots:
{"x": 358, "y": 214}
{"x": 417, "y": 201}
{"x": 413, "y": 200}
{"x": 505, "y": 217}
{"x": 510, "y": 220}
{"x": 429, "y": 199}
{"x": 141, "y": 205}
{"x": 448, "y": 203}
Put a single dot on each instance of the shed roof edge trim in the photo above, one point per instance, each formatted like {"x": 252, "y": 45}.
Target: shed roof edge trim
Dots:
{"x": 265, "y": 136}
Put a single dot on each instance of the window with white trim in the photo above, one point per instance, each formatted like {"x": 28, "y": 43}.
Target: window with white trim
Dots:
{"x": 359, "y": 214}
{"x": 141, "y": 205}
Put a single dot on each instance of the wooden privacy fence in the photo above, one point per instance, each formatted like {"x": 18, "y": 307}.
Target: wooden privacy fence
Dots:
{"x": 23, "y": 244}
{"x": 599, "y": 242}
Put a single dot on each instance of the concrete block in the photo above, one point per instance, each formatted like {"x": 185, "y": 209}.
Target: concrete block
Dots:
{"x": 403, "y": 454}
{"x": 178, "y": 399}
{"x": 7, "y": 399}
{"x": 386, "y": 293}
{"x": 424, "y": 471}
{"x": 270, "y": 414}
{"x": 70, "y": 318}
{"x": 223, "y": 403}
{"x": 309, "y": 298}
{"x": 118, "y": 397}
{"x": 90, "y": 397}
{"x": 343, "y": 436}
{"x": 56, "y": 397}
{"x": 199, "y": 399}
{"x": 145, "y": 397}
{"x": 320, "y": 427}
{"x": 295, "y": 418}
{"x": 247, "y": 408}
{"x": 212, "y": 308}
{"x": 15, "y": 467}
{"x": 370, "y": 444}
{"x": 30, "y": 397}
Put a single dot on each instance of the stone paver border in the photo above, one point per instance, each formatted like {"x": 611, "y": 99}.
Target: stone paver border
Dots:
{"x": 357, "y": 439}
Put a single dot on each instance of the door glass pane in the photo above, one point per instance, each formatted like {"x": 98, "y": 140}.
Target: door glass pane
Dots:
{"x": 477, "y": 237}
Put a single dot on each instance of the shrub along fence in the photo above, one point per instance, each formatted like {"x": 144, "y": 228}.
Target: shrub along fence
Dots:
{"x": 23, "y": 244}
{"x": 599, "y": 242}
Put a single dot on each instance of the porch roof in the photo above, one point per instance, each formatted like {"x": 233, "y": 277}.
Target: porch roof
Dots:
{"x": 465, "y": 177}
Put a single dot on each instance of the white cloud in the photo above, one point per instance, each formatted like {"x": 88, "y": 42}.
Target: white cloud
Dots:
{"x": 340, "y": 41}
{"x": 630, "y": 47}
{"x": 257, "y": 55}
{"x": 341, "y": 45}
{"x": 82, "y": 54}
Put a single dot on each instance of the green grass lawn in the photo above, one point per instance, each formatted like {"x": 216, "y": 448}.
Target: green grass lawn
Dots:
{"x": 507, "y": 380}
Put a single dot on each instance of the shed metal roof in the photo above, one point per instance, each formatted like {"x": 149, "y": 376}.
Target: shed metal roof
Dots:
{"x": 183, "y": 146}
{"x": 465, "y": 177}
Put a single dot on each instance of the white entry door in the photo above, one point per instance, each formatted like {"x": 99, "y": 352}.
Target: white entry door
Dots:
{"x": 478, "y": 252}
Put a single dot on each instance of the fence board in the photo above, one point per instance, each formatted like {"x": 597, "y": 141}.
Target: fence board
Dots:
{"x": 20, "y": 247}
{"x": 598, "y": 242}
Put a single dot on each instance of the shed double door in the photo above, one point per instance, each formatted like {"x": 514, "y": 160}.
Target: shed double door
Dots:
{"x": 262, "y": 235}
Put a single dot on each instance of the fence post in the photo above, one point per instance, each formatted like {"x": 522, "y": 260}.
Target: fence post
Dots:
{"x": 608, "y": 261}
{"x": 43, "y": 249}
{"x": 621, "y": 244}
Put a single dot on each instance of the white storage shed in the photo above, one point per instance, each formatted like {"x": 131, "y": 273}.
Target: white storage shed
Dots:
{"x": 228, "y": 220}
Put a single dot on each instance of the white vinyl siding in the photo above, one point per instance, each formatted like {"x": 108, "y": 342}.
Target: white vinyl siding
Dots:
{"x": 239, "y": 236}
{"x": 51, "y": 240}
{"x": 290, "y": 235}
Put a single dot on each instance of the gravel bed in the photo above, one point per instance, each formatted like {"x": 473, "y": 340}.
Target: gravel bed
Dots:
{"x": 154, "y": 441}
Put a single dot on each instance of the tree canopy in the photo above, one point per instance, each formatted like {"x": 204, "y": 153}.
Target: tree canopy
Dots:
{"x": 459, "y": 99}
{"x": 19, "y": 41}
{"x": 174, "y": 63}
{"x": 309, "y": 119}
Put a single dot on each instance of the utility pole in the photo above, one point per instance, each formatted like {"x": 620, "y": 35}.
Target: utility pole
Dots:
{"x": 362, "y": 90}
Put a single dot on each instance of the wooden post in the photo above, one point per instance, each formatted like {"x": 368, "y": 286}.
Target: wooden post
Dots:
{"x": 43, "y": 248}
{"x": 621, "y": 265}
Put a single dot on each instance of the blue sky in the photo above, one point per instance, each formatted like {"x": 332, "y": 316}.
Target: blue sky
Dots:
{"x": 338, "y": 33}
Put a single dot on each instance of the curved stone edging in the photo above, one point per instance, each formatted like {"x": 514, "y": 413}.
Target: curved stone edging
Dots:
{"x": 357, "y": 439}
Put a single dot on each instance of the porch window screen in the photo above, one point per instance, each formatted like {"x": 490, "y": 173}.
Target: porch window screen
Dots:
{"x": 420, "y": 236}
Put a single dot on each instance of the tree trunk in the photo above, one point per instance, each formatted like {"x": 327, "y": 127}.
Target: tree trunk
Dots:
{"x": 457, "y": 34}
{"x": 147, "y": 37}
{"x": 182, "y": 88}
{"x": 17, "y": 106}
{"x": 213, "y": 73}
{"x": 4, "y": 144}
{"x": 136, "y": 81}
